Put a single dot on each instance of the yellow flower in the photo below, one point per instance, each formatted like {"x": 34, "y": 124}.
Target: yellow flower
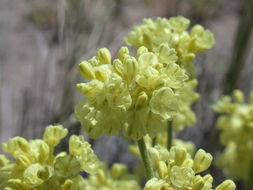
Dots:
{"x": 174, "y": 37}
{"x": 135, "y": 95}
{"x": 235, "y": 123}
{"x": 35, "y": 166}
{"x": 176, "y": 169}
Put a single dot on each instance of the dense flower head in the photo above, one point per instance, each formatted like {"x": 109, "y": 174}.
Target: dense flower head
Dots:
{"x": 35, "y": 166}
{"x": 177, "y": 169}
{"x": 236, "y": 125}
{"x": 173, "y": 31}
{"x": 136, "y": 95}
{"x": 112, "y": 179}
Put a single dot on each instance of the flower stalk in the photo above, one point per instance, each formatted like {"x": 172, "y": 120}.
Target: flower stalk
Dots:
{"x": 145, "y": 158}
{"x": 170, "y": 134}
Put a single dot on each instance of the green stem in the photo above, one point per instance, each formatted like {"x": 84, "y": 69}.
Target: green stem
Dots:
{"x": 170, "y": 135}
{"x": 145, "y": 158}
{"x": 154, "y": 141}
{"x": 249, "y": 182}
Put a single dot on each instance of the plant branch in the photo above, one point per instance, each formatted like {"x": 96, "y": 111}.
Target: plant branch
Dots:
{"x": 145, "y": 158}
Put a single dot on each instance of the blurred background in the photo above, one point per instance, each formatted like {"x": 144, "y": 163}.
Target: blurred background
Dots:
{"x": 42, "y": 42}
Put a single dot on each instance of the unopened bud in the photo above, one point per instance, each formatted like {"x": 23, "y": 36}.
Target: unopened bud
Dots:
{"x": 22, "y": 161}
{"x": 104, "y": 56}
{"x": 86, "y": 70}
{"x": 198, "y": 183}
{"x": 3, "y": 160}
{"x": 197, "y": 29}
{"x": 202, "y": 161}
{"x": 238, "y": 95}
{"x": 84, "y": 88}
{"x": 226, "y": 185}
{"x": 141, "y": 50}
{"x": 208, "y": 178}
{"x": 67, "y": 184}
{"x": 141, "y": 100}
{"x": 118, "y": 170}
{"x": 130, "y": 68}
{"x": 100, "y": 75}
{"x": 118, "y": 66}
{"x": 180, "y": 154}
{"x": 122, "y": 52}
{"x": 162, "y": 169}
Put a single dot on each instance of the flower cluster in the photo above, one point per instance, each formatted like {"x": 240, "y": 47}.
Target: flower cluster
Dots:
{"x": 114, "y": 179}
{"x": 137, "y": 95}
{"x": 176, "y": 169}
{"x": 35, "y": 167}
{"x": 152, "y": 33}
{"x": 236, "y": 125}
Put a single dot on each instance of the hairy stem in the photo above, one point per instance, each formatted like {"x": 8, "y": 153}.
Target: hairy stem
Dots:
{"x": 169, "y": 135}
{"x": 145, "y": 158}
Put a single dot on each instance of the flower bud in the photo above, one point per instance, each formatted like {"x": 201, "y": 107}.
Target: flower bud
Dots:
{"x": 162, "y": 169}
{"x": 208, "y": 178}
{"x": 180, "y": 155}
{"x": 202, "y": 161}
{"x": 104, "y": 56}
{"x": 118, "y": 66}
{"x": 188, "y": 162}
{"x": 122, "y": 52}
{"x": 86, "y": 70}
{"x": 67, "y": 184}
{"x": 166, "y": 187}
{"x": 53, "y": 134}
{"x": 23, "y": 161}
{"x": 100, "y": 75}
{"x": 189, "y": 57}
{"x": 141, "y": 50}
{"x": 155, "y": 184}
{"x": 84, "y": 88}
{"x": 16, "y": 145}
{"x": 3, "y": 160}
{"x": 197, "y": 29}
{"x": 130, "y": 68}
{"x": 43, "y": 151}
{"x": 226, "y": 185}
{"x": 118, "y": 170}
{"x": 198, "y": 183}
{"x": 101, "y": 176}
{"x": 238, "y": 95}
{"x": 141, "y": 100}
